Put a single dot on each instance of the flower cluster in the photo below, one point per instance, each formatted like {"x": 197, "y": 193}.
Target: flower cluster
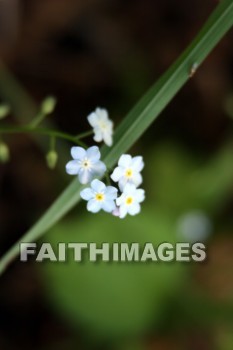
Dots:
{"x": 87, "y": 165}
{"x": 128, "y": 175}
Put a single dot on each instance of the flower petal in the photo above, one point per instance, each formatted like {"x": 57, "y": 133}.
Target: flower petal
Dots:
{"x": 117, "y": 174}
{"x": 107, "y": 137}
{"x": 72, "y": 167}
{"x": 139, "y": 195}
{"x": 93, "y": 154}
{"x": 98, "y": 186}
{"x": 109, "y": 206}
{"x": 102, "y": 114}
{"x": 78, "y": 152}
{"x": 123, "y": 211}
{"x": 134, "y": 208}
{"x": 93, "y": 119}
{"x": 98, "y": 137}
{"x": 87, "y": 194}
{"x": 122, "y": 183}
{"x": 129, "y": 189}
{"x": 93, "y": 206}
{"x": 137, "y": 179}
{"x": 84, "y": 176}
{"x": 99, "y": 168}
{"x": 137, "y": 163}
{"x": 111, "y": 192}
{"x": 125, "y": 160}
{"x": 120, "y": 200}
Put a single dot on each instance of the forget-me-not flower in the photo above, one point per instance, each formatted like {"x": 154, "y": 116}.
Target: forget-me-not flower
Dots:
{"x": 102, "y": 126}
{"x": 128, "y": 171}
{"x": 86, "y": 164}
{"x": 129, "y": 201}
{"x": 99, "y": 196}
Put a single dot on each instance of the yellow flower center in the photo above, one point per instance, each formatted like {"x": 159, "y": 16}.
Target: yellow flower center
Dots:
{"x": 129, "y": 173}
{"x": 129, "y": 200}
{"x": 86, "y": 163}
{"x": 103, "y": 125}
{"x": 99, "y": 197}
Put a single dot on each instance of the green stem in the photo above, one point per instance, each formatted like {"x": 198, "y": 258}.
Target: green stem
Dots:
{"x": 107, "y": 177}
{"x": 52, "y": 143}
{"x": 139, "y": 119}
{"x": 40, "y": 131}
{"x": 84, "y": 134}
{"x": 37, "y": 120}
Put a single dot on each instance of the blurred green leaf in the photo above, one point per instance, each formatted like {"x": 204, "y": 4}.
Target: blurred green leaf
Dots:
{"x": 180, "y": 182}
{"x": 205, "y": 311}
{"x": 113, "y": 299}
{"x": 225, "y": 340}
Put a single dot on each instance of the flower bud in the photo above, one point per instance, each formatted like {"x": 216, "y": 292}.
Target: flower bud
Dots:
{"x": 48, "y": 105}
{"x": 4, "y": 152}
{"x": 4, "y": 110}
{"x": 51, "y": 159}
{"x": 116, "y": 211}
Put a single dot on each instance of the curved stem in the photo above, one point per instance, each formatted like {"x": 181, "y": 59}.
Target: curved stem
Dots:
{"x": 41, "y": 131}
{"x": 37, "y": 120}
{"x": 84, "y": 134}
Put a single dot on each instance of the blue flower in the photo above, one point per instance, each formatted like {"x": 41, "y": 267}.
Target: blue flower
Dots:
{"x": 86, "y": 164}
{"x": 99, "y": 196}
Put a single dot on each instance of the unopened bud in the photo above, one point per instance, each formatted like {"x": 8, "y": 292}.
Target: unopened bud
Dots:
{"x": 4, "y": 110}
{"x": 51, "y": 159}
{"x": 116, "y": 211}
{"x": 48, "y": 105}
{"x": 4, "y": 152}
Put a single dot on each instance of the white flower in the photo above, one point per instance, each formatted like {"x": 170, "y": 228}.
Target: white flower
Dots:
{"x": 102, "y": 126}
{"x": 99, "y": 197}
{"x": 86, "y": 164}
{"x": 129, "y": 201}
{"x": 128, "y": 171}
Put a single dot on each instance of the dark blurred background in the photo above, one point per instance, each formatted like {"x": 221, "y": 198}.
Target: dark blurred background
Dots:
{"x": 107, "y": 53}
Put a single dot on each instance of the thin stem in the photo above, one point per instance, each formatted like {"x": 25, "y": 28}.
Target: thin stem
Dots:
{"x": 37, "y": 120}
{"x": 107, "y": 177}
{"x": 84, "y": 134}
{"x": 52, "y": 143}
{"x": 40, "y": 131}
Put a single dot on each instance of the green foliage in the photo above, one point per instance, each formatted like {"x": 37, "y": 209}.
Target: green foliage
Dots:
{"x": 225, "y": 340}
{"x": 182, "y": 183}
{"x": 113, "y": 299}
